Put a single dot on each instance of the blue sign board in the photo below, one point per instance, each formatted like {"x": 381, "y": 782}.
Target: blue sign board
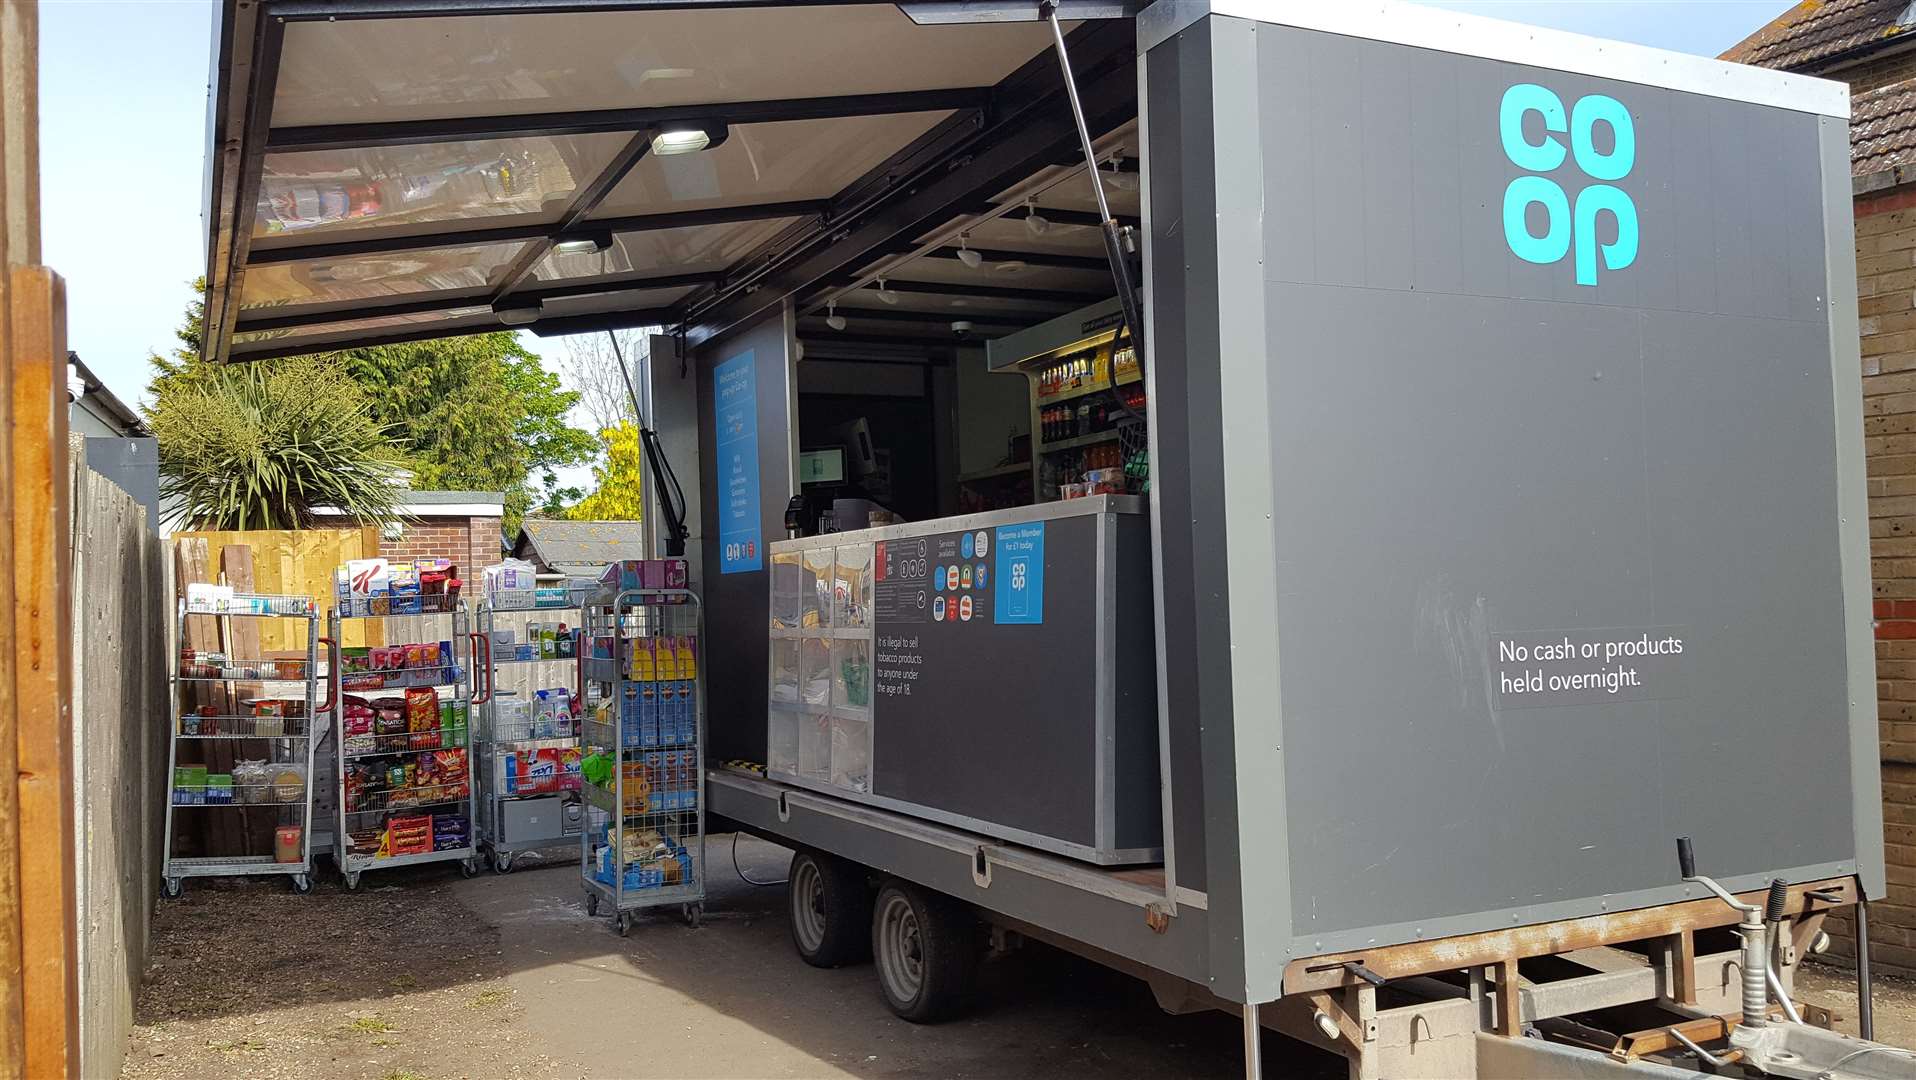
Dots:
{"x": 735, "y": 408}
{"x": 1018, "y": 589}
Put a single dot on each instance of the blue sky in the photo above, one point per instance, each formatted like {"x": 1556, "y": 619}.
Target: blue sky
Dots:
{"x": 123, "y": 128}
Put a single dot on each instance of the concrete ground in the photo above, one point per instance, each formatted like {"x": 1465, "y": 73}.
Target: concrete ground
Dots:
{"x": 733, "y": 999}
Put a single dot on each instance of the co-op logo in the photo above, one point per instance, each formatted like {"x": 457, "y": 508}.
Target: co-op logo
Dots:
{"x": 1569, "y": 225}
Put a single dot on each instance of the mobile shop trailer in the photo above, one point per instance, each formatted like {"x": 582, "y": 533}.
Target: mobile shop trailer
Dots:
{"x": 1488, "y": 506}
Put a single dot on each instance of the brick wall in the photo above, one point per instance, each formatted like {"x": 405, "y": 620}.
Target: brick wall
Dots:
{"x": 1876, "y": 73}
{"x": 1886, "y": 306}
{"x": 472, "y": 542}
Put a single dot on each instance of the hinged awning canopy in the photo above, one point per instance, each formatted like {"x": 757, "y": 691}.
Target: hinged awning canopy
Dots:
{"x": 409, "y": 169}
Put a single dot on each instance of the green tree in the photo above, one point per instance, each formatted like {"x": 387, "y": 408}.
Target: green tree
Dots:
{"x": 181, "y": 363}
{"x": 260, "y": 446}
{"x": 618, "y": 485}
{"x": 473, "y": 413}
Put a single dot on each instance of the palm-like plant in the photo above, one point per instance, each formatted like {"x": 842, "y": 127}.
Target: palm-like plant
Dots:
{"x": 261, "y": 446}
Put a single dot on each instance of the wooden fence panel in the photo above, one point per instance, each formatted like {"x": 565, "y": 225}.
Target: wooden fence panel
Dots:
{"x": 120, "y": 720}
{"x": 294, "y": 563}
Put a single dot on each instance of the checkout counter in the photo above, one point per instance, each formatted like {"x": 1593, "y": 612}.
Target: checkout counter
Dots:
{"x": 992, "y": 671}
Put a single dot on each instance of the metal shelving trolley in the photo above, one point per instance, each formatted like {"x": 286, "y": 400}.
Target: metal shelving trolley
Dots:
{"x": 644, "y": 747}
{"x": 527, "y": 719}
{"x": 403, "y": 715}
{"x": 242, "y": 742}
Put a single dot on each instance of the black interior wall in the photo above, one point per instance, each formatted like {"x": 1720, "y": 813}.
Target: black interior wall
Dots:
{"x": 738, "y": 605}
{"x": 901, "y": 425}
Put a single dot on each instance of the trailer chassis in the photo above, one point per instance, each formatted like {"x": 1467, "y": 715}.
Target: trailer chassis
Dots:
{"x": 1427, "y": 1008}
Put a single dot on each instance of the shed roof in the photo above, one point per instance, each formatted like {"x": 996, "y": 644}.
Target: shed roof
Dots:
{"x": 580, "y": 548}
{"x": 1817, "y": 32}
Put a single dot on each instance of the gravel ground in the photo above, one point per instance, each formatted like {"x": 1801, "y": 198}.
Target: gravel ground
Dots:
{"x": 424, "y": 976}
{"x": 396, "y": 982}
{"x": 1835, "y": 989}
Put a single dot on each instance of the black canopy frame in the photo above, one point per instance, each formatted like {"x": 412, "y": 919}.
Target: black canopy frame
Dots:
{"x": 995, "y": 138}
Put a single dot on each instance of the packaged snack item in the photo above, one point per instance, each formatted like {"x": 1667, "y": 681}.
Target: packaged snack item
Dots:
{"x": 190, "y": 723}
{"x": 410, "y": 835}
{"x": 665, "y": 659}
{"x": 286, "y": 844}
{"x": 549, "y": 596}
{"x": 250, "y": 781}
{"x": 422, "y": 715}
{"x": 289, "y": 782}
{"x": 643, "y": 662}
{"x": 389, "y": 716}
{"x": 510, "y": 583}
{"x": 367, "y": 577}
{"x": 688, "y": 649}
{"x": 450, "y": 765}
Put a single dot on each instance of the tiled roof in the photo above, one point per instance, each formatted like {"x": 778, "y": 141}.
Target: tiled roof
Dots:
{"x": 1882, "y": 132}
{"x": 1818, "y": 30}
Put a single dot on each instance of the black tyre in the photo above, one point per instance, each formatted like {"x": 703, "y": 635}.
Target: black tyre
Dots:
{"x": 829, "y": 909}
{"x": 927, "y": 952}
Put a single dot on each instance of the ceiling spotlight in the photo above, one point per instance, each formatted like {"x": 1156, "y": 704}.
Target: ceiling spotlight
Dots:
{"x": 687, "y": 138}
{"x": 1035, "y": 222}
{"x": 518, "y": 314}
{"x": 966, "y": 255}
{"x": 832, "y": 318}
{"x": 1011, "y": 266}
{"x": 887, "y": 295}
{"x": 1123, "y": 181}
{"x": 588, "y": 245}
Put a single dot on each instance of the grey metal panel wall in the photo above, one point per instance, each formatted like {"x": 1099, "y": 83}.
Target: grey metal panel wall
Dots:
{"x": 1188, "y": 491}
{"x": 737, "y": 606}
{"x": 1468, "y": 450}
{"x": 1866, "y": 767}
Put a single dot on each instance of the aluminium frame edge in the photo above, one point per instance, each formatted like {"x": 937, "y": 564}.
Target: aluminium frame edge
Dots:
{"x": 1496, "y": 39}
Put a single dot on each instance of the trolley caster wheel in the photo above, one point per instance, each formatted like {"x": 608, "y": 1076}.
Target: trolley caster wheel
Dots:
{"x": 351, "y": 882}
{"x": 692, "y": 913}
{"x": 591, "y": 904}
{"x": 622, "y": 924}
{"x": 927, "y": 949}
{"x": 302, "y": 884}
{"x": 174, "y": 887}
{"x": 502, "y": 862}
{"x": 468, "y": 868}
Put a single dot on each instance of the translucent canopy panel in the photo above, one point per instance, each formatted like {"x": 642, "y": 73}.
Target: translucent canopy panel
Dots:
{"x": 951, "y": 271}
{"x": 796, "y": 159}
{"x": 329, "y": 191}
{"x": 1056, "y": 237}
{"x": 356, "y": 326}
{"x": 677, "y": 251}
{"x": 1036, "y": 308}
{"x": 377, "y": 70}
{"x": 1121, "y": 190}
{"x": 365, "y": 276}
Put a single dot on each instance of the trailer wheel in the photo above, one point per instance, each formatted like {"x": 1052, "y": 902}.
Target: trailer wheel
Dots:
{"x": 829, "y": 909}
{"x": 927, "y": 951}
